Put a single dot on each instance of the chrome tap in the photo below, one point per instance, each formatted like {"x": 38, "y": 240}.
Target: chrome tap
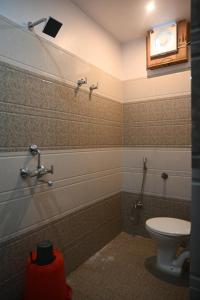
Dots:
{"x": 81, "y": 81}
{"x": 94, "y": 87}
{"x": 41, "y": 170}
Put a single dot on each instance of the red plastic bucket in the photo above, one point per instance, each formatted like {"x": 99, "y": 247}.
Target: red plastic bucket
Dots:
{"x": 46, "y": 282}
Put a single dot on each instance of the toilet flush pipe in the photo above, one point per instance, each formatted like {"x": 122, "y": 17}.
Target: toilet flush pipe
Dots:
{"x": 181, "y": 258}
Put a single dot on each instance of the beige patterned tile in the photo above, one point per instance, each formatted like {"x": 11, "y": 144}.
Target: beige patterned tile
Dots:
{"x": 92, "y": 141}
{"x": 53, "y": 110}
{"x": 52, "y": 114}
{"x": 164, "y": 122}
{"x": 78, "y": 235}
{"x": 74, "y": 135}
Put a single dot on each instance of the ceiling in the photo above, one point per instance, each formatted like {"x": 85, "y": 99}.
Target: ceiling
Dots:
{"x": 128, "y": 19}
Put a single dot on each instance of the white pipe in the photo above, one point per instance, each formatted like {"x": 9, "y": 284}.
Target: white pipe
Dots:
{"x": 181, "y": 258}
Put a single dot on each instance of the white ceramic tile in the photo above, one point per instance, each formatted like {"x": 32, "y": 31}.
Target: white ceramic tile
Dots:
{"x": 80, "y": 177}
{"x": 175, "y": 162}
{"x": 175, "y": 84}
{"x": 131, "y": 181}
{"x": 133, "y": 158}
{"x": 19, "y": 215}
{"x": 23, "y": 48}
{"x": 172, "y": 160}
{"x": 66, "y": 165}
{"x": 175, "y": 187}
{"x": 158, "y": 159}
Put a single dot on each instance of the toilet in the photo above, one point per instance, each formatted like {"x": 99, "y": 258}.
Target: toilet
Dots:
{"x": 169, "y": 234}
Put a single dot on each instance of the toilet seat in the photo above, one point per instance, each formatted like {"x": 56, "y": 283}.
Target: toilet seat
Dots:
{"x": 169, "y": 226}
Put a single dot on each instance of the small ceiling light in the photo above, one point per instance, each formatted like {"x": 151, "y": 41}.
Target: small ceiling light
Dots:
{"x": 150, "y": 6}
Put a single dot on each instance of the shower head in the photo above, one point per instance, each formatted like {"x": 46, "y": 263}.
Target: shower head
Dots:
{"x": 51, "y": 26}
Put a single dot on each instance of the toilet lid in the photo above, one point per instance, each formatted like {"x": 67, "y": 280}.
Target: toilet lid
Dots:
{"x": 170, "y": 226}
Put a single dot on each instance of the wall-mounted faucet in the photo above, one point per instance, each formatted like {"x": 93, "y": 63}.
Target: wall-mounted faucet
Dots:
{"x": 81, "y": 81}
{"x": 40, "y": 170}
{"x": 33, "y": 149}
{"x": 94, "y": 87}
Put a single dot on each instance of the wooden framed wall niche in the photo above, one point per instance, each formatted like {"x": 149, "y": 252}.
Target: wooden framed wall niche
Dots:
{"x": 180, "y": 56}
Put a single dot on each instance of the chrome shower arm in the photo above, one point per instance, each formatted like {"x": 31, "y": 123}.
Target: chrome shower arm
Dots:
{"x": 33, "y": 24}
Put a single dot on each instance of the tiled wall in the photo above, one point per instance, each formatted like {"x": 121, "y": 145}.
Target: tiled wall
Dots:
{"x": 160, "y": 122}
{"x": 38, "y": 104}
{"x": 51, "y": 114}
{"x": 176, "y": 162}
{"x": 36, "y": 109}
{"x": 23, "y": 48}
{"x": 133, "y": 220}
{"x": 78, "y": 235}
{"x": 81, "y": 177}
{"x": 150, "y": 88}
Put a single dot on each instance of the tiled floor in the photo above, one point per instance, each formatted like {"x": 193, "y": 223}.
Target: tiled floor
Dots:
{"x": 124, "y": 270}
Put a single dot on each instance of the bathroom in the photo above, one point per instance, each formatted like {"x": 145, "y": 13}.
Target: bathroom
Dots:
{"x": 97, "y": 144}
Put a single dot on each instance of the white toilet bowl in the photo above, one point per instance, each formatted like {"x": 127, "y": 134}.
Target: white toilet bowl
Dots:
{"x": 168, "y": 234}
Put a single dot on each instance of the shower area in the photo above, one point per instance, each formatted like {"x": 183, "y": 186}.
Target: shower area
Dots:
{"x": 88, "y": 155}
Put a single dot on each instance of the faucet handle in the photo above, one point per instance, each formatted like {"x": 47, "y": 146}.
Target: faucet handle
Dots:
{"x": 43, "y": 170}
{"x": 81, "y": 81}
{"x": 24, "y": 172}
{"x": 51, "y": 169}
{"x": 94, "y": 87}
{"x": 33, "y": 149}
